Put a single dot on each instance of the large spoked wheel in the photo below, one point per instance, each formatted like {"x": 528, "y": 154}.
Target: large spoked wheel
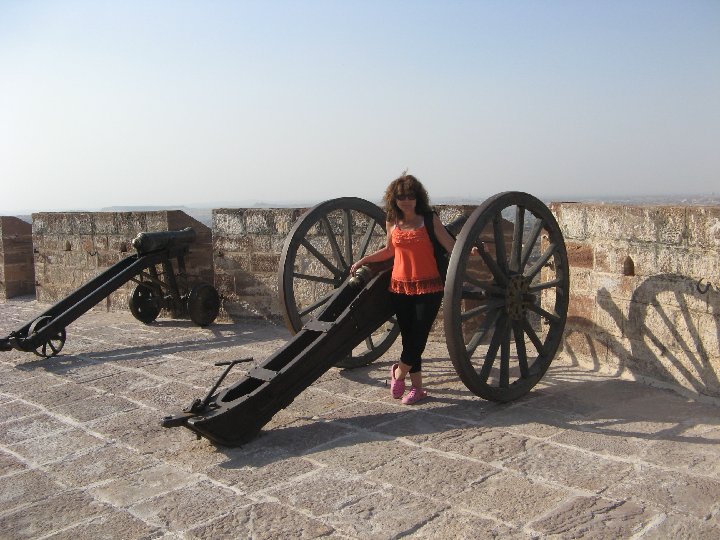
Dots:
{"x": 203, "y": 304}
{"x": 316, "y": 260}
{"x": 54, "y": 342}
{"x": 145, "y": 303}
{"x": 505, "y": 308}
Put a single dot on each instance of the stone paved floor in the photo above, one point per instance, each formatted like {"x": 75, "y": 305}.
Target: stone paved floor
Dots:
{"x": 83, "y": 456}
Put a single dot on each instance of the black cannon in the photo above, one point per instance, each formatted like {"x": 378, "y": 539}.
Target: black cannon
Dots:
{"x": 504, "y": 310}
{"x": 156, "y": 289}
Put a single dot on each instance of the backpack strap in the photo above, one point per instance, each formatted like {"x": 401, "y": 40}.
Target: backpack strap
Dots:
{"x": 439, "y": 251}
{"x": 430, "y": 226}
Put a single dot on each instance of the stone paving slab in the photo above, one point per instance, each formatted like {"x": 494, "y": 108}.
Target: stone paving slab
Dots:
{"x": 83, "y": 455}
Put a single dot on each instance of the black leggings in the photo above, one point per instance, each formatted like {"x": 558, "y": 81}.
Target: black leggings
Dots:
{"x": 415, "y": 315}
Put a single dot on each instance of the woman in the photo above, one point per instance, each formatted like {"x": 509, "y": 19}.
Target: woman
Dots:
{"x": 415, "y": 284}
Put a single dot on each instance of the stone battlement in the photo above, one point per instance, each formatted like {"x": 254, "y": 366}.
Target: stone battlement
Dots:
{"x": 644, "y": 297}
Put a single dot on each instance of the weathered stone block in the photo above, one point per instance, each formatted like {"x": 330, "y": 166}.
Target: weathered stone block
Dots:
{"x": 579, "y": 255}
{"x": 16, "y": 258}
{"x": 228, "y": 222}
{"x": 572, "y": 218}
{"x": 581, "y": 306}
{"x": 703, "y": 227}
{"x": 265, "y": 262}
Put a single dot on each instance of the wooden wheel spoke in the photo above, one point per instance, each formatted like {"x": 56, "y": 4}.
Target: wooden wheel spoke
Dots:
{"x": 505, "y": 357}
{"x": 497, "y": 272}
{"x": 543, "y": 313}
{"x": 480, "y": 335}
{"x": 316, "y": 304}
{"x": 534, "y": 338}
{"x": 520, "y": 348}
{"x": 327, "y": 228}
{"x": 488, "y": 287}
{"x": 365, "y": 242}
{"x": 532, "y": 239}
{"x": 516, "y": 249}
{"x": 318, "y": 279}
{"x": 549, "y": 252}
{"x": 482, "y": 309}
{"x": 320, "y": 257}
{"x": 347, "y": 235}
{"x": 546, "y": 285}
{"x": 492, "y": 351}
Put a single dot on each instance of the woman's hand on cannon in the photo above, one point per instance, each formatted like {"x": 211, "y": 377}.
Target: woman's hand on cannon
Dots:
{"x": 356, "y": 265}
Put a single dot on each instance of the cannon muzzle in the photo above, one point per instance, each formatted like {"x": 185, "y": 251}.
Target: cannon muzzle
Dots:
{"x": 146, "y": 242}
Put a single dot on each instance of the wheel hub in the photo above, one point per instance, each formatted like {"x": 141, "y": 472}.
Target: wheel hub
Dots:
{"x": 517, "y": 297}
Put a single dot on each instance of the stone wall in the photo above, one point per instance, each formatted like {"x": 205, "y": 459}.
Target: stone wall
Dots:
{"x": 645, "y": 291}
{"x": 17, "y": 274}
{"x": 73, "y": 247}
{"x": 645, "y": 280}
{"x": 248, "y": 244}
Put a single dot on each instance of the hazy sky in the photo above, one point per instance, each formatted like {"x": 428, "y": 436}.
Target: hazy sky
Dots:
{"x": 216, "y": 103}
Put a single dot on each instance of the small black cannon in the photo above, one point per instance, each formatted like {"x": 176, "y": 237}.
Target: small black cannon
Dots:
{"x": 504, "y": 311}
{"x": 155, "y": 290}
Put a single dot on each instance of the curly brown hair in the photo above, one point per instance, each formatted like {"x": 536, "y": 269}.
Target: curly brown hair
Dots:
{"x": 403, "y": 185}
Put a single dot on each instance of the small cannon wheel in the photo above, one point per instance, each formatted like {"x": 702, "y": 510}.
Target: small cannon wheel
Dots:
{"x": 203, "y": 304}
{"x": 505, "y": 310}
{"x": 316, "y": 260}
{"x": 55, "y": 341}
{"x": 145, "y": 303}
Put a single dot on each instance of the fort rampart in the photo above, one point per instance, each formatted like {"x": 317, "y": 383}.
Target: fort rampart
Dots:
{"x": 645, "y": 291}
{"x": 644, "y": 296}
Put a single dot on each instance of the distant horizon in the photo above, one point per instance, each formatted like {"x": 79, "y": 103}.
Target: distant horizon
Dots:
{"x": 712, "y": 198}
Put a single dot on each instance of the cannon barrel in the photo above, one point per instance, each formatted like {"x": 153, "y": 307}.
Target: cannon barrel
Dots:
{"x": 146, "y": 242}
{"x": 456, "y": 225}
{"x": 45, "y": 334}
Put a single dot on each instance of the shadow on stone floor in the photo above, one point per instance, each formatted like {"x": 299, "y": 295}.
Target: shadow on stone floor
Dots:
{"x": 646, "y": 415}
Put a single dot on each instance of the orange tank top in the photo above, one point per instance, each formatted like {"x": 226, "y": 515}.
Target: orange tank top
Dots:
{"x": 414, "y": 270}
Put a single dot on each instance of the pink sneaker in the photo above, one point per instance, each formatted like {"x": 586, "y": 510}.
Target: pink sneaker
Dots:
{"x": 415, "y": 395}
{"x": 397, "y": 386}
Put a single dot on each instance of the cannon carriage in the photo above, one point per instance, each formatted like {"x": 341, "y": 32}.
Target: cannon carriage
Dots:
{"x": 504, "y": 309}
{"x": 160, "y": 284}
